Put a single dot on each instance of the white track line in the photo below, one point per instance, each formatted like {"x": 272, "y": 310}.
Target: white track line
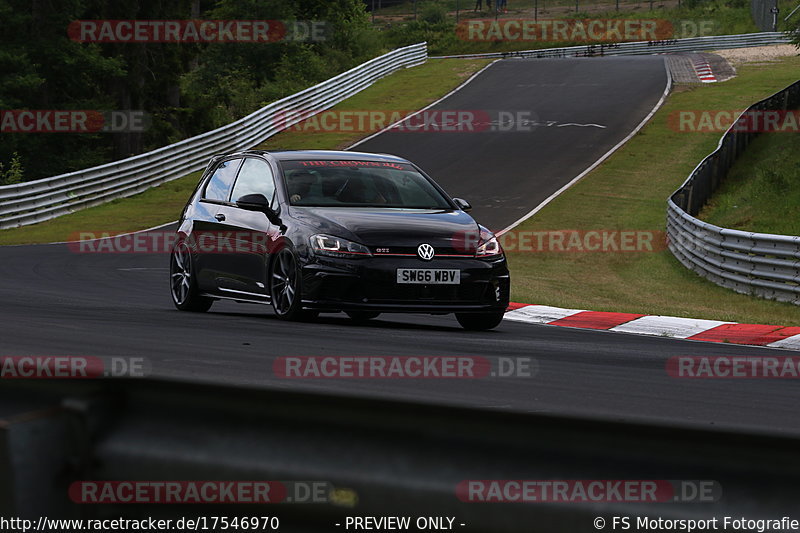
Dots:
{"x": 96, "y": 239}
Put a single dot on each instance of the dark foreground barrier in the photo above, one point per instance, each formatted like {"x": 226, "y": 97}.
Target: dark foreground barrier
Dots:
{"x": 372, "y": 458}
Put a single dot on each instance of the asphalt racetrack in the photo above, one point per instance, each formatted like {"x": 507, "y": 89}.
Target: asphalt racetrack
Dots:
{"x": 58, "y": 302}
{"x": 548, "y": 120}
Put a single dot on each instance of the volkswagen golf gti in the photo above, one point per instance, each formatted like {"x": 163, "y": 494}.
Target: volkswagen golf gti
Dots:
{"x": 327, "y": 231}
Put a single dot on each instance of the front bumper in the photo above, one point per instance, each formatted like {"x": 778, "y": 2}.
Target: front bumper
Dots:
{"x": 370, "y": 284}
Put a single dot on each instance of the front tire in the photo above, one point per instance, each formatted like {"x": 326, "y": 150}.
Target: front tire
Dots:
{"x": 480, "y": 321}
{"x": 285, "y": 288}
{"x": 183, "y": 282}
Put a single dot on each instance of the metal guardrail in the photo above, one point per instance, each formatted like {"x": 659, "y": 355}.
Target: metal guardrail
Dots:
{"x": 692, "y": 44}
{"x": 45, "y": 199}
{"x": 751, "y": 263}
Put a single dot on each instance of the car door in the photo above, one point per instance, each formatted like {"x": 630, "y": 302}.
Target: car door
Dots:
{"x": 253, "y": 234}
{"x": 210, "y": 221}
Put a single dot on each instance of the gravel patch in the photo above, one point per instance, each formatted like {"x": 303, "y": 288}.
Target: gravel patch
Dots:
{"x": 758, "y": 54}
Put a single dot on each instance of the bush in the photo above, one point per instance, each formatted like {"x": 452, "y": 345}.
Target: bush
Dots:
{"x": 415, "y": 32}
{"x": 14, "y": 173}
{"x": 433, "y": 13}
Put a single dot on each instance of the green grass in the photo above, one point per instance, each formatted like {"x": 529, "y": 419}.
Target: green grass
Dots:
{"x": 151, "y": 208}
{"x": 629, "y": 192}
{"x": 408, "y": 89}
{"x": 762, "y": 191}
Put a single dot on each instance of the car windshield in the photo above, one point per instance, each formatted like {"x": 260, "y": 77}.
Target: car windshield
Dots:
{"x": 360, "y": 184}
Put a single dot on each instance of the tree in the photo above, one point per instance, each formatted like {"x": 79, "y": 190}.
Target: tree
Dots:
{"x": 44, "y": 69}
{"x": 187, "y": 88}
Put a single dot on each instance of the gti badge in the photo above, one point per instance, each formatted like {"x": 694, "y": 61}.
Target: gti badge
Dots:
{"x": 425, "y": 252}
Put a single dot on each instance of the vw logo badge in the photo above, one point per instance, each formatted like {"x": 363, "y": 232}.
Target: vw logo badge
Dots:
{"x": 425, "y": 251}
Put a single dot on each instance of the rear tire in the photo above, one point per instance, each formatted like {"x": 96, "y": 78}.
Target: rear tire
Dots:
{"x": 362, "y": 316}
{"x": 480, "y": 321}
{"x": 183, "y": 282}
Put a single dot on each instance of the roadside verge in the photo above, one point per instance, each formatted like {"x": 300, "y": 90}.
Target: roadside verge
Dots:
{"x": 628, "y": 193}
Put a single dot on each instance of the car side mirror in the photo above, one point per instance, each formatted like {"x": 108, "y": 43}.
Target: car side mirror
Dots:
{"x": 462, "y": 204}
{"x": 259, "y": 202}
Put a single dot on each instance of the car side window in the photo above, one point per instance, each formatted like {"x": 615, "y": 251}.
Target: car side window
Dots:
{"x": 254, "y": 178}
{"x": 219, "y": 186}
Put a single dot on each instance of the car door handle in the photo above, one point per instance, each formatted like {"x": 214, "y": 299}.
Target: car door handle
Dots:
{"x": 220, "y": 217}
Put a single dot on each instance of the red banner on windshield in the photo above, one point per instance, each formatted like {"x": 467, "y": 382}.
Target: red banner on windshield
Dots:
{"x": 350, "y": 164}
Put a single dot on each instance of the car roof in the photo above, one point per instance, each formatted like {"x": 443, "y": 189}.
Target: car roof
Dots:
{"x": 336, "y": 155}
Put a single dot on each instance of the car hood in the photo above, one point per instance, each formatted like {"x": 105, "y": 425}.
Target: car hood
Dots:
{"x": 392, "y": 227}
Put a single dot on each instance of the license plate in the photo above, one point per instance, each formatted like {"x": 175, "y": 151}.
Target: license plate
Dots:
{"x": 428, "y": 276}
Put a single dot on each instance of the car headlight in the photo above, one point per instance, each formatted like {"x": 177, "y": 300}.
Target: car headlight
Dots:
{"x": 337, "y": 247}
{"x": 489, "y": 248}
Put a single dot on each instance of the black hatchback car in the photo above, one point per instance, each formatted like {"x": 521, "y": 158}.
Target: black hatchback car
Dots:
{"x": 326, "y": 231}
